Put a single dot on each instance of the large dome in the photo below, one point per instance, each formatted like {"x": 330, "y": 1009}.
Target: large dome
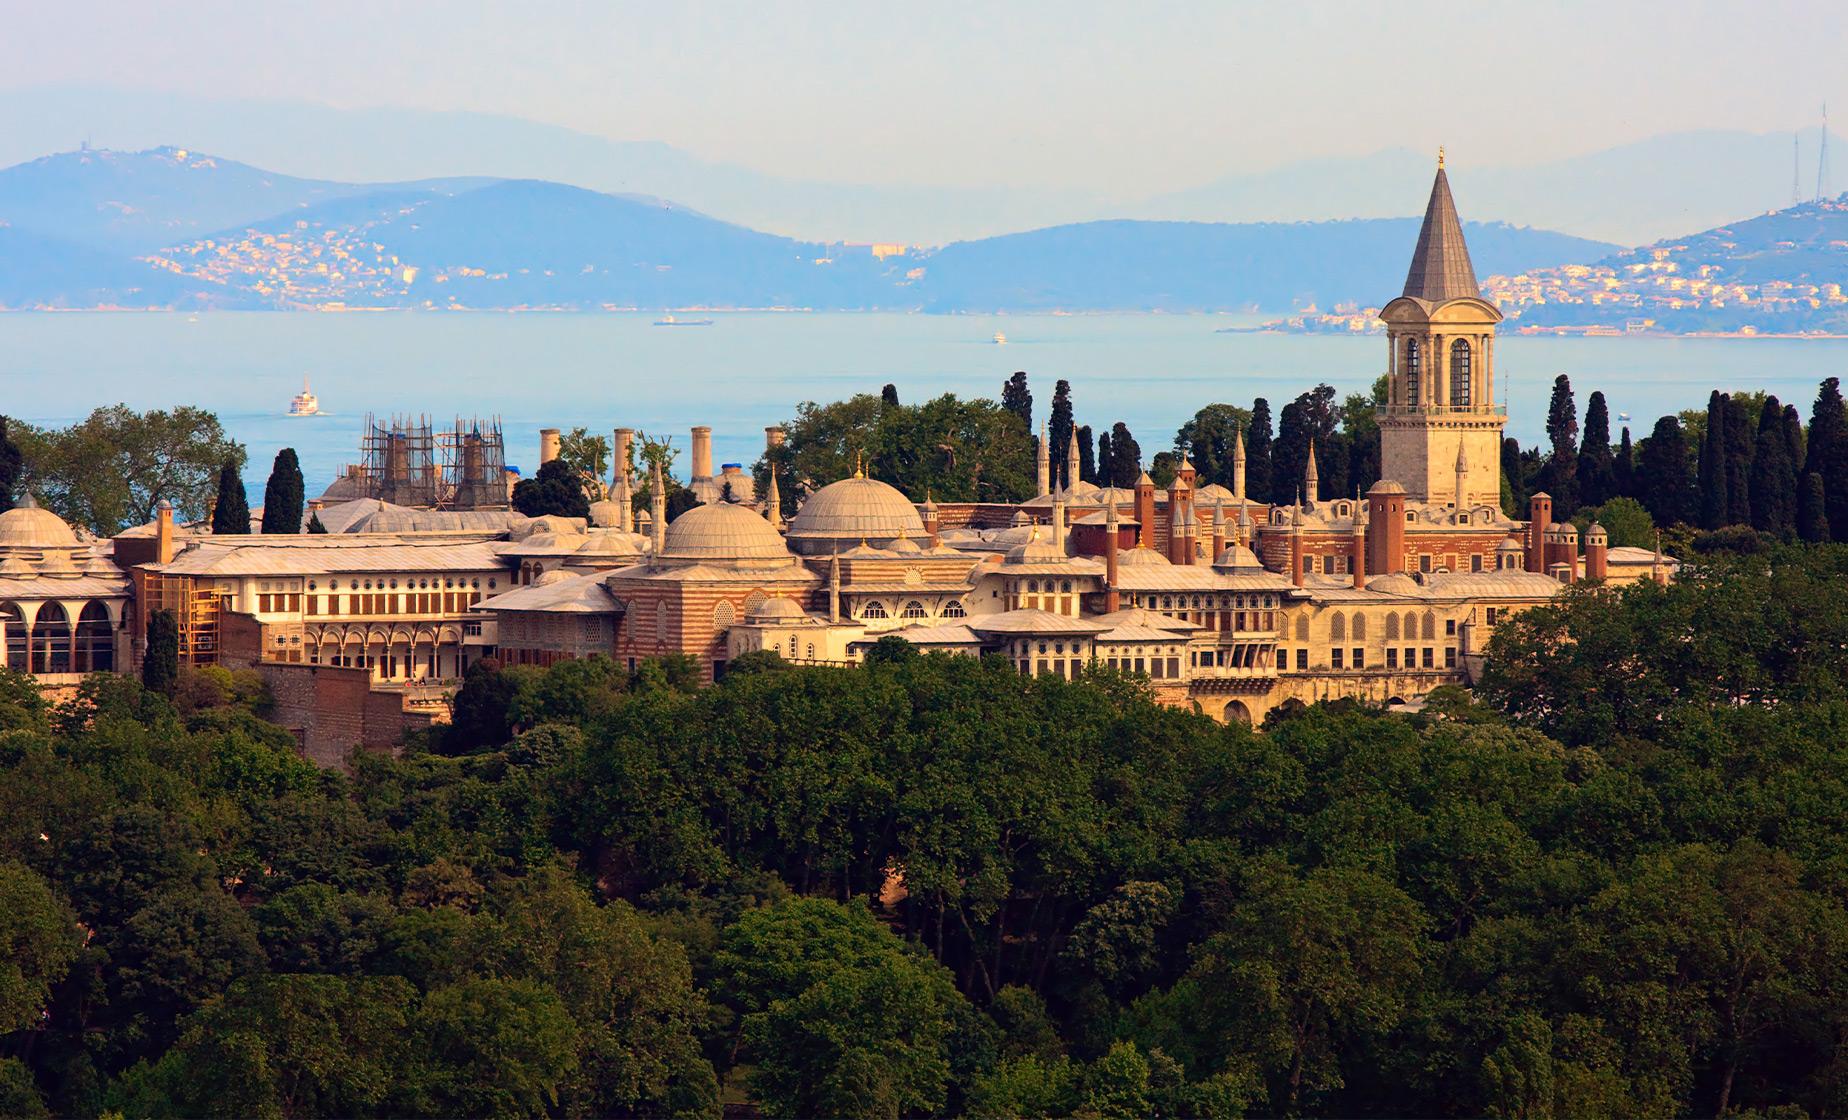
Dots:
{"x": 722, "y": 531}
{"x": 28, "y": 526}
{"x": 856, "y": 509}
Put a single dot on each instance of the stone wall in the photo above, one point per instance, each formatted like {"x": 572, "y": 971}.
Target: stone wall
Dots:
{"x": 333, "y": 710}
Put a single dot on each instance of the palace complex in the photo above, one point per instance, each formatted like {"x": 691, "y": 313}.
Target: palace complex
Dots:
{"x": 1226, "y": 604}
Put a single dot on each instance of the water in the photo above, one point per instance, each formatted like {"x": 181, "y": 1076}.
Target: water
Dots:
{"x": 748, "y": 370}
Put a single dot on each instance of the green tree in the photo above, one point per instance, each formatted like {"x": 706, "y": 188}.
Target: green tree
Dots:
{"x": 1739, "y": 443}
{"x": 557, "y": 490}
{"x": 113, "y": 469}
{"x": 1208, "y": 441}
{"x": 10, "y": 463}
{"x": 1813, "y": 517}
{"x": 1060, "y": 431}
{"x": 1597, "y": 472}
{"x": 283, "y": 495}
{"x": 956, "y": 450}
{"x": 38, "y": 942}
{"x": 231, "y": 512}
{"x": 888, "y": 396}
{"x": 160, "y": 661}
{"x": 1125, "y": 457}
{"x": 1018, "y": 399}
{"x": 1626, "y": 522}
{"x": 1087, "y": 455}
{"x": 1827, "y": 453}
{"x": 1623, "y": 467}
{"x": 1714, "y": 487}
{"x": 314, "y": 524}
{"x": 1773, "y": 475}
{"x": 1258, "y": 451}
{"x": 1662, "y": 479}
{"x": 588, "y": 456}
{"x": 491, "y": 1047}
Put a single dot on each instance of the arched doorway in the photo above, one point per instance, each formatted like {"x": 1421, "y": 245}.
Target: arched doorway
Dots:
{"x": 51, "y": 639}
{"x": 1237, "y": 712}
{"x": 95, "y": 652}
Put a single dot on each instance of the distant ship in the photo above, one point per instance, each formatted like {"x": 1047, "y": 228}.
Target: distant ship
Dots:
{"x": 1624, "y": 416}
{"x": 670, "y": 321}
{"x": 304, "y": 402}
{"x": 1000, "y": 339}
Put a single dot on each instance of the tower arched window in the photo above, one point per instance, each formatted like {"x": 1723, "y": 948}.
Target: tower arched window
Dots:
{"x": 954, "y": 609}
{"x": 914, "y": 609}
{"x": 1413, "y": 361}
{"x": 1460, "y": 368}
{"x": 874, "y": 609}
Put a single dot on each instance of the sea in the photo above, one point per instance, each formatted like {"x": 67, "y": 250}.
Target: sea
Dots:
{"x": 747, "y": 370}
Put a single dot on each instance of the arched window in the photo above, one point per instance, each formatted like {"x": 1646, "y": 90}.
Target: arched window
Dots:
{"x": 1337, "y": 628}
{"x": 1360, "y": 627}
{"x": 723, "y": 615}
{"x": 51, "y": 640}
{"x": 1392, "y": 627}
{"x": 954, "y": 609}
{"x": 95, "y": 640}
{"x": 792, "y": 647}
{"x": 914, "y": 610}
{"x": 1412, "y": 371}
{"x": 1459, "y": 373}
{"x": 1411, "y": 625}
{"x": 874, "y": 609}
{"x": 1430, "y": 626}
{"x": 16, "y": 636}
{"x": 1302, "y": 628}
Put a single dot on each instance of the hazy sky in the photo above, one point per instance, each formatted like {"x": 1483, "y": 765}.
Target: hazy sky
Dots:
{"x": 1118, "y": 97}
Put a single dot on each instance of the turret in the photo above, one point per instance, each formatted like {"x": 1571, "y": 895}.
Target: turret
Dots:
{"x": 624, "y": 497}
{"x": 1072, "y": 460}
{"x": 1145, "y": 511}
{"x": 1462, "y": 491}
{"x": 548, "y": 445}
{"x": 1238, "y": 467}
{"x": 1539, "y": 520}
{"x": 834, "y": 588}
{"x": 1219, "y": 528}
{"x": 773, "y": 499}
{"x": 1058, "y": 520}
{"x": 930, "y": 521}
{"x": 1179, "y": 498}
{"x": 1186, "y": 472}
{"x": 1597, "y": 548}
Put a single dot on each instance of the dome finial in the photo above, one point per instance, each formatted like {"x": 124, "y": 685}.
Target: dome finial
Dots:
{"x": 1440, "y": 157}
{"x": 859, "y": 469}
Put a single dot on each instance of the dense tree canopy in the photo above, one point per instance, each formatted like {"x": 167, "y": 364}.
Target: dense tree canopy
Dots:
{"x": 283, "y": 494}
{"x": 111, "y": 470}
{"x": 557, "y": 490}
{"x": 952, "y": 449}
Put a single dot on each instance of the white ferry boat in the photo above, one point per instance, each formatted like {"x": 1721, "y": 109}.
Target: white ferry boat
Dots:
{"x": 304, "y": 402}
{"x": 670, "y": 321}
{"x": 1000, "y": 339}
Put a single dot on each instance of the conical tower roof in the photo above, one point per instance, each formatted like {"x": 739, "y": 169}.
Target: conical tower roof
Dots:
{"x": 1440, "y": 265}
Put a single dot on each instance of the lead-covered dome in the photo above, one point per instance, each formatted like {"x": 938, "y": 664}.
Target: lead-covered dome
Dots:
{"x": 856, "y": 509}
{"x": 26, "y": 525}
{"x": 722, "y": 532}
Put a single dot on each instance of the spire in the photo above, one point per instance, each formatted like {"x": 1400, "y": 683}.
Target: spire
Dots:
{"x": 1311, "y": 479}
{"x": 773, "y": 502}
{"x": 1440, "y": 264}
{"x": 1072, "y": 459}
{"x": 834, "y": 588}
{"x": 1238, "y": 466}
{"x": 1462, "y": 459}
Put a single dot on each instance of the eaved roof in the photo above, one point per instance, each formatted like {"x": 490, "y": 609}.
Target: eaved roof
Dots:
{"x": 1031, "y": 621}
{"x": 321, "y": 555}
{"x": 1142, "y": 616}
{"x": 1441, "y": 268}
{"x": 571, "y": 595}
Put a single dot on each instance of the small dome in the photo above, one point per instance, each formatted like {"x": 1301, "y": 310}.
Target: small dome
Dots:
{"x": 905, "y": 546}
{"x": 612, "y": 542}
{"x": 854, "y": 509}
{"x": 1039, "y": 550}
{"x": 28, "y": 526}
{"x": 556, "y": 575}
{"x": 722, "y": 532}
{"x": 1237, "y": 556}
{"x": 605, "y": 514}
{"x": 1140, "y": 557}
{"x": 774, "y": 610}
{"x": 1510, "y": 545}
{"x": 1395, "y": 583}
{"x": 1595, "y": 534}
{"x": 1386, "y": 486}
{"x": 17, "y": 568}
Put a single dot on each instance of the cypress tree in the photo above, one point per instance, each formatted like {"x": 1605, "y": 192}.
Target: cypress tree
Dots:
{"x": 1773, "y": 479}
{"x": 1289, "y": 454}
{"x": 1741, "y": 442}
{"x": 10, "y": 463}
{"x": 1662, "y": 481}
{"x": 1514, "y": 475}
{"x": 160, "y": 661}
{"x": 1562, "y": 418}
{"x": 1713, "y": 464}
{"x": 888, "y": 396}
{"x": 1827, "y": 454}
{"x": 1016, "y": 398}
{"x": 1597, "y": 481}
{"x": 314, "y": 524}
{"x": 232, "y": 513}
{"x": 1087, "y": 458}
{"x": 1623, "y": 467}
{"x": 1125, "y": 456}
{"x": 282, "y": 496}
{"x": 1813, "y": 519}
{"x": 1105, "y": 474}
{"x": 1060, "y": 432}
{"x": 1258, "y": 451}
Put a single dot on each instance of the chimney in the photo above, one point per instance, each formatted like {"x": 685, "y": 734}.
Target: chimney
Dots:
{"x": 657, "y": 510}
{"x": 1058, "y": 521}
{"x": 1042, "y": 464}
{"x": 1386, "y": 528}
{"x": 1177, "y": 518}
{"x": 1238, "y": 467}
{"x": 1145, "y": 511}
{"x": 930, "y": 521}
{"x": 164, "y": 548}
{"x": 620, "y": 452}
{"x": 1357, "y": 552}
{"x": 1597, "y": 546}
{"x": 774, "y": 436}
{"x": 548, "y": 445}
{"x": 1539, "y": 521}
{"x": 1296, "y": 547}
{"x": 1569, "y": 548}
{"x": 702, "y": 452}
{"x": 1112, "y": 529}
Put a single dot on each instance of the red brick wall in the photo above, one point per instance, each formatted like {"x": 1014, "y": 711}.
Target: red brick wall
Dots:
{"x": 333, "y": 710}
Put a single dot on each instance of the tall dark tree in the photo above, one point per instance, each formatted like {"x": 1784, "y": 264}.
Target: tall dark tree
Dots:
{"x": 1060, "y": 431}
{"x": 1741, "y": 442}
{"x": 282, "y": 496}
{"x": 1290, "y": 454}
{"x": 160, "y": 661}
{"x": 1208, "y": 440}
{"x": 1773, "y": 475}
{"x": 1017, "y": 398}
{"x": 1713, "y": 489}
{"x": 1827, "y": 453}
{"x": 1258, "y": 440}
{"x": 556, "y": 490}
{"x": 1105, "y": 465}
{"x": 1559, "y": 476}
{"x": 10, "y": 462}
{"x": 1813, "y": 517}
{"x": 1623, "y": 466}
{"x": 1793, "y": 440}
{"x": 1125, "y": 456}
{"x": 888, "y": 396}
{"x": 1087, "y": 455}
{"x": 1597, "y": 472}
{"x": 231, "y": 513}
{"x": 1662, "y": 480}
{"x": 1514, "y": 476}
{"x": 314, "y": 524}
{"x": 1562, "y": 418}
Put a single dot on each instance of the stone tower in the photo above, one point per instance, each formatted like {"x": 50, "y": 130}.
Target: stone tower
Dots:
{"x": 1441, "y": 367}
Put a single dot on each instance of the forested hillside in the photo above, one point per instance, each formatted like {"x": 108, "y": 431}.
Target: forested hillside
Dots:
{"x": 1608, "y": 885}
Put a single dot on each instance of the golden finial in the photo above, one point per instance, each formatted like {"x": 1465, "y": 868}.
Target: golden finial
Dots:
{"x": 859, "y": 471}
{"x": 1440, "y": 157}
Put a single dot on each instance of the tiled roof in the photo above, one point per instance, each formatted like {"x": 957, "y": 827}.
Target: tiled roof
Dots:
{"x": 328, "y": 555}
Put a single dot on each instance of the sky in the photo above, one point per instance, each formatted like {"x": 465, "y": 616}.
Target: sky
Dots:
{"x": 1119, "y": 98}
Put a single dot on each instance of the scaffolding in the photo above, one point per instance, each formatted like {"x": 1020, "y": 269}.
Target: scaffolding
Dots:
{"x": 398, "y": 461}
{"x": 474, "y": 466}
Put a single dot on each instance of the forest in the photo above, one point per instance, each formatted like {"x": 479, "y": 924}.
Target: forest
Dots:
{"x": 1610, "y": 882}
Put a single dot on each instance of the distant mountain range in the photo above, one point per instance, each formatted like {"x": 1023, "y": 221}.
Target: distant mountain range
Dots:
{"x": 1634, "y": 193}
{"x": 176, "y": 228}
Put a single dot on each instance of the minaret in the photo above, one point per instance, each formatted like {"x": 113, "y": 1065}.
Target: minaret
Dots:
{"x": 773, "y": 499}
{"x": 1112, "y": 529}
{"x": 625, "y": 501}
{"x": 1357, "y": 545}
{"x": 1296, "y": 543}
{"x": 1042, "y": 464}
{"x": 1312, "y": 482}
{"x": 1462, "y": 484}
{"x": 1658, "y": 571}
{"x": 1242, "y": 532}
{"x": 657, "y": 509}
{"x": 1058, "y": 520}
{"x": 834, "y": 588}
{"x": 1219, "y": 528}
{"x": 1145, "y": 511}
{"x": 1178, "y": 515}
{"x": 1238, "y": 467}
{"x": 1071, "y": 461}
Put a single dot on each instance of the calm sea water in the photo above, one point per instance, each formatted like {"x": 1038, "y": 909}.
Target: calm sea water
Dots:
{"x": 749, "y": 370}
